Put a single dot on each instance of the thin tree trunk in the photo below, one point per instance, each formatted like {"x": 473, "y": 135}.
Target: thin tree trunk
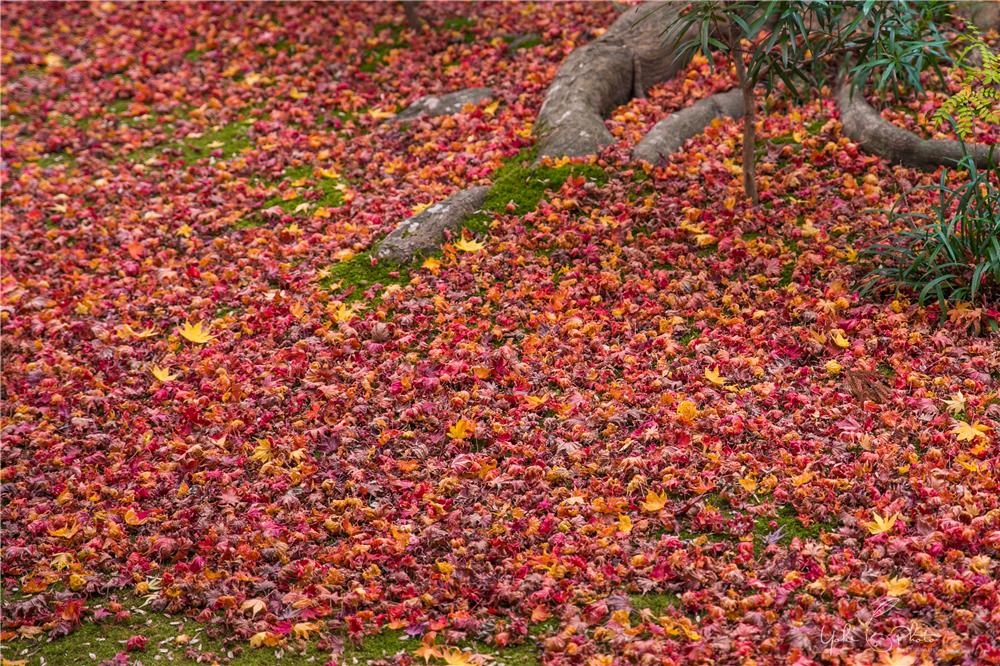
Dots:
{"x": 412, "y": 17}
{"x": 749, "y": 121}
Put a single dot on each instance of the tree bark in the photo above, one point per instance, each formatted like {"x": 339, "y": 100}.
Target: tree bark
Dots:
{"x": 603, "y": 74}
{"x": 670, "y": 134}
{"x": 412, "y": 16}
{"x": 749, "y": 121}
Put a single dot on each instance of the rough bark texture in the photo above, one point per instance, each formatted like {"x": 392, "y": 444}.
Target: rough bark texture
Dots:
{"x": 425, "y": 230}
{"x": 601, "y": 75}
{"x": 412, "y": 16}
{"x": 670, "y": 134}
{"x": 876, "y": 135}
{"x": 445, "y": 105}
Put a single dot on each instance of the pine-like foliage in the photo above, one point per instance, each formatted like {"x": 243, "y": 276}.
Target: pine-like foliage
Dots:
{"x": 977, "y": 98}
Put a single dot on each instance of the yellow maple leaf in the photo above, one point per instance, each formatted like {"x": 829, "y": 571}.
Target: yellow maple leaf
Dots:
{"x": 162, "y": 374}
{"x": 215, "y": 144}
{"x": 304, "y": 629}
{"x": 445, "y": 567}
{"x": 461, "y": 430}
{"x": 749, "y": 484}
{"x": 469, "y": 245}
{"x": 185, "y": 231}
{"x": 421, "y": 207}
{"x": 427, "y": 652}
{"x": 624, "y": 523}
{"x": 345, "y": 254}
{"x": 840, "y": 340}
{"x": 262, "y": 451}
{"x": 492, "y": 108}
{"x": 62, "y": 560}
{"x": 295, "y": 94}
{"x": 967, "y": 432}
{"x": 833, "y": 367}
{"x": 713, "y": 376}
{"x": 481, "y": 372}
{"x": 432, "y": 264}
{"x": 263, "y": 638}
{"x": 882, "y": 524}
{"x": 149, "y": 332}
{"x": 329, "y": 173}
{"x": 897, "y": 587}
{"x": 195, "y": 333}
{"x": 803, "y": 478}
{"x": 297, "y": 310}
{"x": 455, "y": 657}
{"x": 687, "y": 410}
{"x": 654, "y": 502}
{"x": 956, "y": 404}
{"x": 534, "y": 402}
{"x": 342, "y": 313}
{"x": 322, "y": 212}
{"x": 378, "y": 114}
{"x": 65, "y": 532}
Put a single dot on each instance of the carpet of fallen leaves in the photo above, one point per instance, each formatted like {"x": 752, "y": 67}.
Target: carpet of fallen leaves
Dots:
{"x": 636, "y": 389}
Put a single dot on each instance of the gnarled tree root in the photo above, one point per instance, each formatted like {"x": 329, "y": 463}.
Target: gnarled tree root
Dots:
{"x": 877, "y": 136}
{"x": 425, "y": 231}
{"x": 602, "y": 74}
{"x": 670, "y": 134}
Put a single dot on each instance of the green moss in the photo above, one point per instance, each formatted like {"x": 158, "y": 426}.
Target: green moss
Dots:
{"x": 332, "y": 196}
{"x": 516, "y": 181}
{"x": 233, "y": 137}
{"x": 656, "y": 603}
{"x": 104, "y": 641}
{"x": 527, "y": 43}
{"x": 373, "y": 58}
{"x": 790, "y": 527}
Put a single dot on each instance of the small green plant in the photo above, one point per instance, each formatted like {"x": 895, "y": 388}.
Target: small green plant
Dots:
{"x": 950, "y": 253}
{"x": 980, "y": 91}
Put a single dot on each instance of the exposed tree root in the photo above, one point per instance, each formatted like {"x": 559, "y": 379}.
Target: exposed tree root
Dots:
{"x": 602, "y": 74}
{"x": 670, "y": 134}
{"x": 876, "y": 135}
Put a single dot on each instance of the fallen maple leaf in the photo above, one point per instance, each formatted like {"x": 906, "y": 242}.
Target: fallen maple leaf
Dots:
{"x": 467, "y": 245}
{"x": 149, "y": 332}
{"x": 882, "y": 524}
{"x": 624, "y": 523}
{"x": 686, "y": 410}
{"x": 66, "y": 532}
{"x": 432, "y": 264}
{"x": 897, "y": 587}
{"x": 654, "y": 502}
{"x": 427, "y": 652}
{"x": 713, "y": 376}
{"x": 195, "y": 334}
{"x": 162, "y": 374}
{"x": 968, "y": 432}
{"x": 455, "y": 657}
{"x": 304, "y": 629}
{"x": 461, "y": 429}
